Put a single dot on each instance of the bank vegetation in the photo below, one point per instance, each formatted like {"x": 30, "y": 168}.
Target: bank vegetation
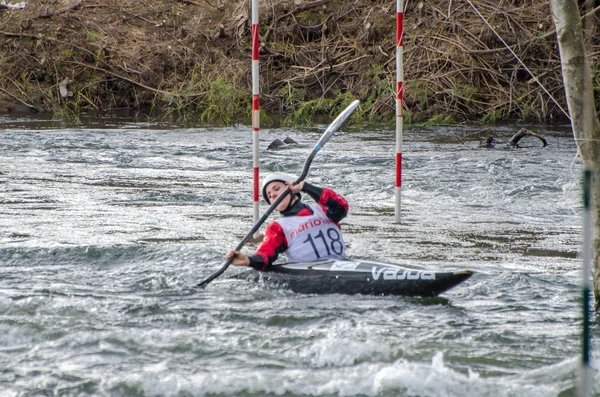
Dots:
{"x": 471, "y": 60}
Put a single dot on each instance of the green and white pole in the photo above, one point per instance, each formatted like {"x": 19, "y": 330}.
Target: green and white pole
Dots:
{"x": 585, "y": 387}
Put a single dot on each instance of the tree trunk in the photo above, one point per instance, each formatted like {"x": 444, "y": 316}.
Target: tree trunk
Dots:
{"x": 582, "y": 110}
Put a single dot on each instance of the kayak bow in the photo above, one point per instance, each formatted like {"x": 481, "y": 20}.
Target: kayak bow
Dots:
{"x": 357, "y": 277}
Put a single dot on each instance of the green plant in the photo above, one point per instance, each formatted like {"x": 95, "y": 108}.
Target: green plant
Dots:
{"x": 466, "y": 92}
{"x": 100, "y": 54}
{"x": 407, "y": 117}
{"x": 90, "y": 36}
{"x": 70, "y": 111}
{"x": 419, "y": 91}
{"x": 306, "y": 111}
{"x": 222, "y": 102}
{"x": 492, "y": 116}
{"x": 379, "y": 101}
{"x": 439, "y": 119}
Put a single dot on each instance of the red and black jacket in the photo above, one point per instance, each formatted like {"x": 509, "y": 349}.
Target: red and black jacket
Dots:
{"x": 274, "y": 243}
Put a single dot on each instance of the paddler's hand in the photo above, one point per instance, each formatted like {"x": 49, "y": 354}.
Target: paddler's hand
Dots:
{"x": 295, "y": 188}
{"x": 239, "y": 259}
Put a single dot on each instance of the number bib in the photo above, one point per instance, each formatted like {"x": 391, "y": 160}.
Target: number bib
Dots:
{"x": 312, "y": 238}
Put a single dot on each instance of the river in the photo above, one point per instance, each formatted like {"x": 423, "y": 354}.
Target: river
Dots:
{"x": 105, "y": 225}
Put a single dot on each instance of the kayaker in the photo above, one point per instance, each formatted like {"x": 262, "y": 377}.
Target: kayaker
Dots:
{"x": 306, "y": 232}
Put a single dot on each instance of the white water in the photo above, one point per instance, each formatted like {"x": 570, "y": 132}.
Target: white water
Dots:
{"x": 102, "y": 229}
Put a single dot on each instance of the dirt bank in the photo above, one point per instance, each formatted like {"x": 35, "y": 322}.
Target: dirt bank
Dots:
{"x": 464, "y": 60}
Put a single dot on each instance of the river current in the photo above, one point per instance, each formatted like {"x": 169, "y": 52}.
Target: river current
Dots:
{"x": 105, "y": 226}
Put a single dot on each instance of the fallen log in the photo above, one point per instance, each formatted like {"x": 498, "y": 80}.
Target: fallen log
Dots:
{"x": 514, "y": 141}
{"x": 491, "y": 142}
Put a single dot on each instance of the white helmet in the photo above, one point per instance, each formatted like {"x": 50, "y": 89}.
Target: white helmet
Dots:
{"x": 276, "y": 176}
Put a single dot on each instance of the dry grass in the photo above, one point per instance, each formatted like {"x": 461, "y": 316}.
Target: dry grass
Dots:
{"x": 315, "y": 56}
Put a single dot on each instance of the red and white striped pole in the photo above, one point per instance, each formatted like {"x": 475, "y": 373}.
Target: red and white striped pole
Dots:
{"x": 255, "y": 111}
{"x": 399, "y": 103}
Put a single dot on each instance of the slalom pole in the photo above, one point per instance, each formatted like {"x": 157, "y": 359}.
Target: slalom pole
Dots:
{"x": 399, "y": 103}
{"x": 586, "y": 369}
{"x": 255, "y": 113}
{"x": 588, "y": 232}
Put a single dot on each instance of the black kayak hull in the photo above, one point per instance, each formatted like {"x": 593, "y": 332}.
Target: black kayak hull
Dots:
{"x": 357, "y": 277}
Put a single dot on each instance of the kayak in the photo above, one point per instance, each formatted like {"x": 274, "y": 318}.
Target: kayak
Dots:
{"x": 339, "y": 276}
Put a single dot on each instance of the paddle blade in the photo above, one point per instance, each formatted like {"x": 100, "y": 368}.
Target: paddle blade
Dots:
{"x": 339, "y": 120}
{"x": 204, "y": 283}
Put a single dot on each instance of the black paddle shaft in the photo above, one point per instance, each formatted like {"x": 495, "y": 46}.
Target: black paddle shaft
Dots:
{"x": 330, "y": 130}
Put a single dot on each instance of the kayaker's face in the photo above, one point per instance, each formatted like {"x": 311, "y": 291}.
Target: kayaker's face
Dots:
{"x": 274, "y": 190}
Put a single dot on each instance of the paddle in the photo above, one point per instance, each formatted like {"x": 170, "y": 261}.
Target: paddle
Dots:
{"x": 324, "y": 138}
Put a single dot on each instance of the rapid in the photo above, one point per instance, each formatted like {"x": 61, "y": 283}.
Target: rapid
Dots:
{"x": 106, "y": 225}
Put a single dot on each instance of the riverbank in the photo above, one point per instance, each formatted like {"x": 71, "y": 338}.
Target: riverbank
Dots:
{"x": 464, "y": 61}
